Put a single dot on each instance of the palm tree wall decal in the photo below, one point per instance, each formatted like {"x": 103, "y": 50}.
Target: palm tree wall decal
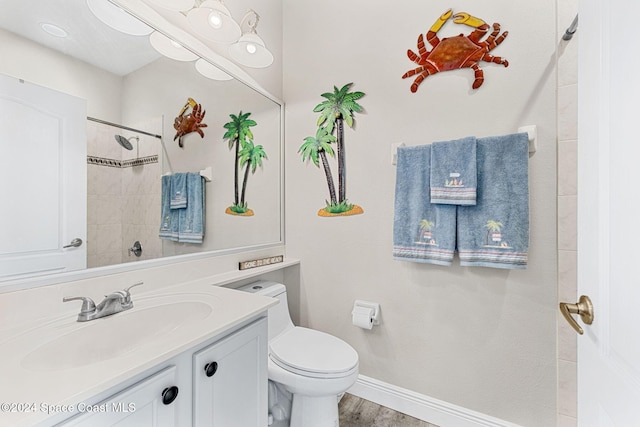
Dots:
{"x": 247, "y": 154}
{"x": 238, "y": 132}
{"x": 337, "y": 108}
{"x": 316, "y": 148}
{"x": 251, "y": 157}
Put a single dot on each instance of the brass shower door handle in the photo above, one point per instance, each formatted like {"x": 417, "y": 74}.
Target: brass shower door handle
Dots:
{"x": 583, "y": 308}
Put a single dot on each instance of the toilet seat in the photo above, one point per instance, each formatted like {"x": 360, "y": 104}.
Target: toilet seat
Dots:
{"x": 312, "y": 353}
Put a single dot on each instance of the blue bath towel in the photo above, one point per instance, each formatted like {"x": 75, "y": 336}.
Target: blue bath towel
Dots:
{"x": 453, "y": 172}
{"x": 179, "y": 191}
{"x": 422, "y": 231}
{"x": 495, "y": 232}
{"x": 168, "y": 218}
{"x": 192, "y": 219}
{"x": 184, "y": 224}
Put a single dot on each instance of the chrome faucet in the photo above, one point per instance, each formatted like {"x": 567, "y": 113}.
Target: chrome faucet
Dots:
{"x": 113, "y": 303}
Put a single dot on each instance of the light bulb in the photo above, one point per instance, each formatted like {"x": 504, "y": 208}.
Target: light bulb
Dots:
{"x": 215, "y": 20}
{"x": 251, "y": 48}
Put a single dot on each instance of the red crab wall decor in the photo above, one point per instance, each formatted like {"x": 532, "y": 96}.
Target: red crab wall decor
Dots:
{"x": 457, "y": 52}
{"x": 192, "y": 122}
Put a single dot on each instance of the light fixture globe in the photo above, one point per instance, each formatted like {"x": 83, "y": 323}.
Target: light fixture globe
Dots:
{"x": 251, "y": 51}
{"x": 170, "y": 48}
{"x": 211, "y": 71}
{"x": 213, "y": 21}
{"x": 117, "y": 18}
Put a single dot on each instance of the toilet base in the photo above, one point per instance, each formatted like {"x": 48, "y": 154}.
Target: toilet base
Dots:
{"x": 314, "y": 411}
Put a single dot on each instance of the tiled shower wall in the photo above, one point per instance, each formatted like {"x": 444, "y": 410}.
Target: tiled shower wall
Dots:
{"x": 567, "y": 210}
{"x": 123, "y": 203}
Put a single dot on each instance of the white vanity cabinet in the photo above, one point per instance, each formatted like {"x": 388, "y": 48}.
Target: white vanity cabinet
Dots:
{"x": 151, "y": 402}
{"x": 220, "y": 383}
{"x": 230, "y": 381}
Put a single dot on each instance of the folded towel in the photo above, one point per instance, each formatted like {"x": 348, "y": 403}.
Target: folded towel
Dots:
{"x": 191, "y": 219}
{"x": 453, "y": 172}
{"x": 168, "y": 217}
{"x": 179, "y": 191}
{"x": 495, "y": 232}
{"x": 422, "y": 232}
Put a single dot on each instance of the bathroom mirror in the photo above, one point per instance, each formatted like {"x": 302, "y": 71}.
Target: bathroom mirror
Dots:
{"x": 133, "y": 95}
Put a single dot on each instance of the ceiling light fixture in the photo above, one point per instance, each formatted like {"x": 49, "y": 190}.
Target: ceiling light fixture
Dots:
{"x": 211, "y": 71}
{"x": 213, "y": 21}
{"x": 170, "y": 49}
{"x": 250, "y": 50}
{"x": 117, "y": 18}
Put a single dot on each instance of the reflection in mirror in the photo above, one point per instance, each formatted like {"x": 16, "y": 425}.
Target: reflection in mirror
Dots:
{"x": 132, "y": 95}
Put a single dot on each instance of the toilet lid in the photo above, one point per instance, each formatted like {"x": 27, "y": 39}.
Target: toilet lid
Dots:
{"x": 313, "y": 353}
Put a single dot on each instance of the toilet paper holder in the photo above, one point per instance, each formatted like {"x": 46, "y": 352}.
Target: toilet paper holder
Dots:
{"x": 373, "y": 305}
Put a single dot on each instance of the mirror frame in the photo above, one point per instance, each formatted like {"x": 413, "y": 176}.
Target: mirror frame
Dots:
{"x": 152, "y": 18}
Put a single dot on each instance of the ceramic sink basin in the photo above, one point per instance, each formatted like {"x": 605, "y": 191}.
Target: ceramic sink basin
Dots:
{"x": 113, "y": 336}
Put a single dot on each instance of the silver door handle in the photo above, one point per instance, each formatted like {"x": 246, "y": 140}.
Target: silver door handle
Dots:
{"x": 74, "y": 243}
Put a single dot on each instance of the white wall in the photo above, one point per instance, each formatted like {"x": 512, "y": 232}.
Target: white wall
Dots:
{"x": 101, "y": 89}
{"x": 479, "y": 338}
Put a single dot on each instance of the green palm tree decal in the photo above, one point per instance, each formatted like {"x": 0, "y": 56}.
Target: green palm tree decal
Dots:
{"x": 425, "y": 225}
{"x": 238, "y": 132}
{"x": 492, "y": 227}
{"x": 316, "y": 148}
{"x": 251, "y": 157}
{"x": 338, "y": 107}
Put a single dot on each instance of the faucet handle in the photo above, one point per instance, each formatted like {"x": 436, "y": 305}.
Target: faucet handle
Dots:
{"x": 88, "y": 306}
{"x": 127, "y": 295}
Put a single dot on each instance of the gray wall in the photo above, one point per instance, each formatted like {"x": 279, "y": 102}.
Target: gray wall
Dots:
{"x": 479, "y": 338}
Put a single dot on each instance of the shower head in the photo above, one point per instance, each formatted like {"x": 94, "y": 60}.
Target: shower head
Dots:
{"x": 124, "y": 142}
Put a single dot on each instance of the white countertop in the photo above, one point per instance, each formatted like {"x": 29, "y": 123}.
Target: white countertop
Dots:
{"x": 28, "y": 383}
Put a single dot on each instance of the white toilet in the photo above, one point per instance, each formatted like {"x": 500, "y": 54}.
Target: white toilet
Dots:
{"x": 308, "y": 369}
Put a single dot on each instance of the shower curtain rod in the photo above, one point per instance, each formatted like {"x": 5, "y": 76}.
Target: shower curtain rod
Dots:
{"x": 104, "y": 122}
{"x": 571, "y": 30}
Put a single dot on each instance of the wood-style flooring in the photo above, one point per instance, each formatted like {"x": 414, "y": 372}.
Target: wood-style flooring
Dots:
{"x": 357, "y": 412}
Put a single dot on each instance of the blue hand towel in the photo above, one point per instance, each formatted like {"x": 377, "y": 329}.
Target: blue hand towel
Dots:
{"x": 168, "y": 217}
{"x": 191, "y": 219}
{"x": 453, "y": 172}
{"x": 495, "y": 232}
{"x": 422, "y": 232}
{"x": 179, "y": 191}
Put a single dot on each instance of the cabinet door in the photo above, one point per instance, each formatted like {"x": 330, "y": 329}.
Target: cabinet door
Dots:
{"x": 146, "y": 403}
{"x": 230, "y": 380}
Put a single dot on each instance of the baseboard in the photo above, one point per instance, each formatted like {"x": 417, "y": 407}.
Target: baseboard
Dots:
{"x": 420, "y": 406}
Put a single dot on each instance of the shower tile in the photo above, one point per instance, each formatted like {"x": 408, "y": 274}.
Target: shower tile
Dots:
{"x": 568, "y": 112}
{"x": 566, "y": 421}
{"x": 567, "y": 388}
{"x": 92, "y": 233}
{"x": 109, "y": 238}
{"x": 567, "y": 217}
{"x": 92, "y": 210}
{"x": 567, "y": 168}
{"x": 109, "y": 210}
{"x": 568, "y": 62}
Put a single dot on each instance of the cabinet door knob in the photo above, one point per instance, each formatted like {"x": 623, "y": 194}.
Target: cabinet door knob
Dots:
{"x": 169, "y": 394}
{"x": 211, "y": 368}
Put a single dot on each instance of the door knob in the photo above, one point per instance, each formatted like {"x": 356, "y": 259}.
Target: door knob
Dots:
{"x": 74, "y": 243}
{"x": 583, "y": 308}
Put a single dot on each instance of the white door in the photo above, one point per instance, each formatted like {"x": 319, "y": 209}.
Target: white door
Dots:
{"x": 43, "y": 180}
{"x": 608, "y": 212}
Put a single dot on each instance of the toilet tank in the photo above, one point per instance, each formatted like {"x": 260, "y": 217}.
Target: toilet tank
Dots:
{"x": 279, "y": 317}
